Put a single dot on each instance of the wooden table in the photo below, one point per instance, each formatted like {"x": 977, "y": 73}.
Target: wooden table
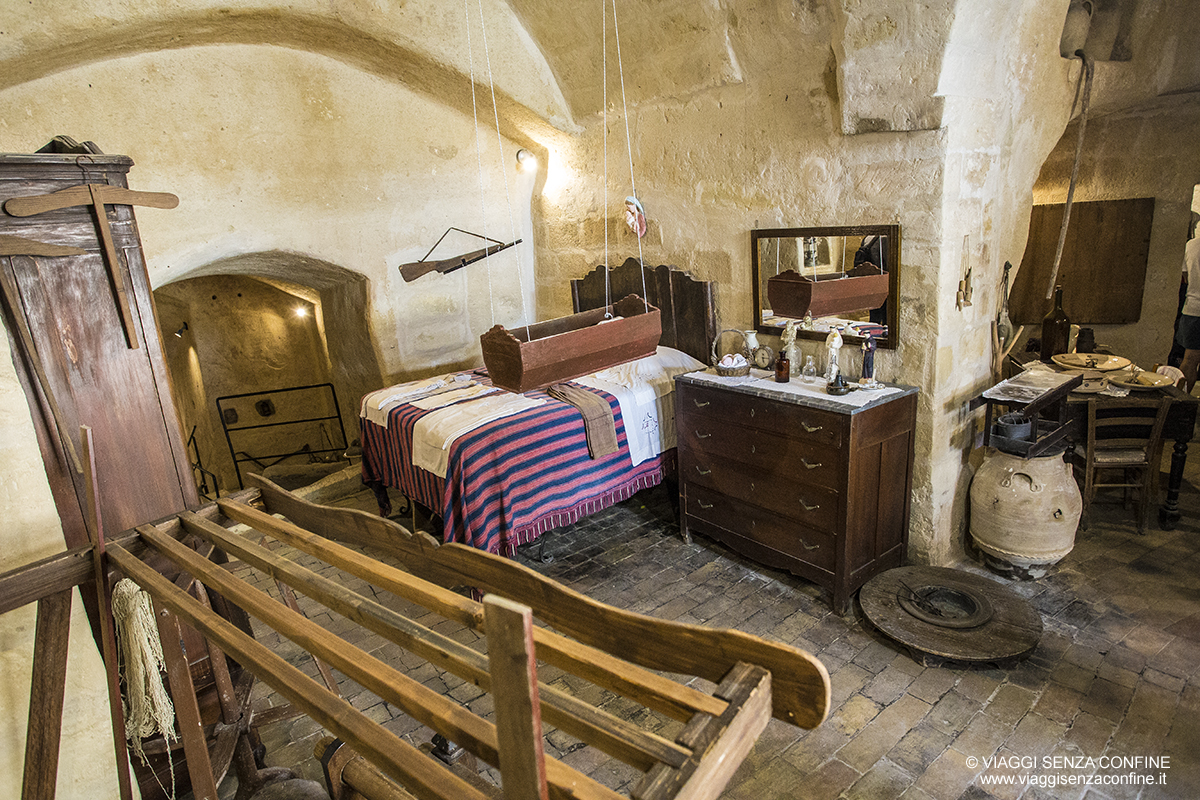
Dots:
{"x": 1181, "y": 422}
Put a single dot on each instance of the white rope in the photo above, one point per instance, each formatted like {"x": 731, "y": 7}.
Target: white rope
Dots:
{"x": 604, "y": 128}
{"x": 148, "y": 709}
{"x": 478, "y": 149}
{"x": 628, "y": 148}
{"x": 504, "y": 172}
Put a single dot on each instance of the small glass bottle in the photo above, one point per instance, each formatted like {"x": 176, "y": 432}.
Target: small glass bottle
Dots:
{"x": 783, "y": 368}
{"x": 1056, "y": 328}
{"x": 809, "y": 373}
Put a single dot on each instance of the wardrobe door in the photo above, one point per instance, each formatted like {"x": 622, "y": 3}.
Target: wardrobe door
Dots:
{"x": 91, "y": 374}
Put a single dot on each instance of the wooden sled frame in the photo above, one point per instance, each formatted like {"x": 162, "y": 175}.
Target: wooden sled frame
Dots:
{"x": 755, "y": 678}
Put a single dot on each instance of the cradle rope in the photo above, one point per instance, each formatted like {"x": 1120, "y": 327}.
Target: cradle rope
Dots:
{"x": 148, "y": 708}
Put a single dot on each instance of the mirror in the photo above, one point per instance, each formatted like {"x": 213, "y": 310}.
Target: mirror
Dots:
{"x": 847, "y": 277}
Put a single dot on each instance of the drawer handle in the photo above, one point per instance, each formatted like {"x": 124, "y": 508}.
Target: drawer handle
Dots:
{"x": 807, "y": 465}
{"x": 809, "y": 428}
{"x": 701, "y": 405}
{"x": 700, "y": 435}
{"x": 703, "y": 505}
{"x": 808, "y": 546}
{"x": 703, "y": 471}
{"x": 807, "y": 507}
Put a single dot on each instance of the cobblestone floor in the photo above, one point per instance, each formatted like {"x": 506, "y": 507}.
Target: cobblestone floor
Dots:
{"x": 1115, "y": 676}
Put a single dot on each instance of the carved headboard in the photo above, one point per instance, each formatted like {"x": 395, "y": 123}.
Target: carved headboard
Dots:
{"x": 689, "y": 317}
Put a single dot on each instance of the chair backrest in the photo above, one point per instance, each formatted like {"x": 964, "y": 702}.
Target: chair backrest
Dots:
{"x": 1134, "y": 424}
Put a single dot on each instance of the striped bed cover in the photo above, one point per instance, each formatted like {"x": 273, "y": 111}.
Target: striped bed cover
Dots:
{"x": 512, "y": 479}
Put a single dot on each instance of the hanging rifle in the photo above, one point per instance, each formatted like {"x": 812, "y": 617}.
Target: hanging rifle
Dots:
{"x": 412, "y": 271}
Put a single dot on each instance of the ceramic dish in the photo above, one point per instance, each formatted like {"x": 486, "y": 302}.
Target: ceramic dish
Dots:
{"x": 1091, "y": 385}
{"x": 1143, "y": 381}
{"x": 1100, "y": 361}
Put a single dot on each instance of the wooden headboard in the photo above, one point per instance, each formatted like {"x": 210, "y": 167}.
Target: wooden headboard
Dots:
{"x": 689, "y": 317}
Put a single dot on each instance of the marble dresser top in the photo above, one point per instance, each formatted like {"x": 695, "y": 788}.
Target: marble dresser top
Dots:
{"x": 761, "y": 383}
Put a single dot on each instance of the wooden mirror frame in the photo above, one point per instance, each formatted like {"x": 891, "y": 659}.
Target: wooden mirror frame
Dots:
{"x": 892, "y": 232}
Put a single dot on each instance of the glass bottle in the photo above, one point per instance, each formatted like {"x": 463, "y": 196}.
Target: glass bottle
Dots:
{"x": 783, "y": 368}
{"x": 809, "y": 373}
{"x": 1056, "y": 328}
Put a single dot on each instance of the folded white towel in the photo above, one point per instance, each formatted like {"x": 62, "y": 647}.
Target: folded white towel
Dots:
{"x": 454, "y": 395}
{"x": 376, "y": 405}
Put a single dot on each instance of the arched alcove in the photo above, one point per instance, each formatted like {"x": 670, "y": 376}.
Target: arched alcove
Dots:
{"x": 263, "y": 322}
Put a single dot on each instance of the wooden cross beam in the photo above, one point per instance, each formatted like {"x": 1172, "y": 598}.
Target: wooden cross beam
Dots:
{"x": 97, "y": 195}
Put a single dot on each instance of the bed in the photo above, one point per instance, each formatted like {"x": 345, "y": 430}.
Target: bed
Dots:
{"x": 509, "y": 480}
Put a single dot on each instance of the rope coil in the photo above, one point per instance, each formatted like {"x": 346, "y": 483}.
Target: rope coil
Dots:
{"x": 148, "y": 708}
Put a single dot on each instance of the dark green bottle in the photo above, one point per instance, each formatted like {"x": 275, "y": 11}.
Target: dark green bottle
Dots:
{"x": 1056, "y": 328}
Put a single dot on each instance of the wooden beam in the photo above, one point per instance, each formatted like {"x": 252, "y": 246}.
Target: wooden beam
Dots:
{"x": 518, "y": 712}
{"x": 612, "y": 735}
{"x": 654, "y": 691}
{"x": 46, "y": 692}
{"x": 400, "y": 760}
{"x": 800, "y": 682}
{"x": 187, "y": 709}
{"x": 108, "y": 643}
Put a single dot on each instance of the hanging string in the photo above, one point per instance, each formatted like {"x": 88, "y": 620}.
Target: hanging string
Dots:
{"x": 478, "y": 149}
{"x": 628, "y": 147}
{"x": 1085, "y": 84}
{"x": 604, "y": 128}
{"x": 504, "y": 173}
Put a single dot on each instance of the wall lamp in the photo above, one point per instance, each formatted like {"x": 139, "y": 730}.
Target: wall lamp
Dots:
{"x": 526, "y": 161}
{"x": 179, "y": 333}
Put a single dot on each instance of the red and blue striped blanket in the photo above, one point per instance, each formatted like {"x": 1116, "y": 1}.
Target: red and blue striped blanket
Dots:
{"x": 514, "y": 478}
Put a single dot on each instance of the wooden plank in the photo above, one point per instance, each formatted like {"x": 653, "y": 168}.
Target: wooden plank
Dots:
{"x": 440, "y": 713}
{"x": 800, "y": 681}
{"x": 187, "y": 710}
{"x": 1107, "y": 245}
{"x": 612, "y": 735}
{"x": 514, "y": 686}
{"x": 46, "y": 692}
{"x": 108, "y": 643}
{"x": 86, "y": 194}
{"x": 654, "y": 691}
{"x": 719, "y": 744}
{"x": 44, "y": 578}
{"x": 396, "y": 757}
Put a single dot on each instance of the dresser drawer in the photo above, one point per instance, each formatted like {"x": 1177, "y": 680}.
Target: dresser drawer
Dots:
{"x": 784, "y": 419}
{"x": 708, "y": 442}
{"x": 782, "y": 535}
{"x": 812, "y": 506}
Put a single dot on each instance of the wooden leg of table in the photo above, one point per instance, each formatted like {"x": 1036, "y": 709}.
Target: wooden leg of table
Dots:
{"x": 1168, "y": 515}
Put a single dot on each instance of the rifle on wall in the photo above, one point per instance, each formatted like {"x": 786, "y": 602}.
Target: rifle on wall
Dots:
{"x": 412, "y": 271}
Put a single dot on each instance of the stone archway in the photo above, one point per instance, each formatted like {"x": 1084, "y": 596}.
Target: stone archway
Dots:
{"x": 260, "y": 322}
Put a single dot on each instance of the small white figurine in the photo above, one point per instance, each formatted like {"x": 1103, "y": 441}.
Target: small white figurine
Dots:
{"x": 833, "y": 343}
{"x": 788, "y": 340}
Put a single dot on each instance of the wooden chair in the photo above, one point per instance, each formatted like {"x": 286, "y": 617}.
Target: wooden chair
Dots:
{"x": 1124, "y": 438}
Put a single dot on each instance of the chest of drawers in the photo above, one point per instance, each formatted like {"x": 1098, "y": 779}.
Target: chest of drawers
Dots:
{"x": 797, "y": 481}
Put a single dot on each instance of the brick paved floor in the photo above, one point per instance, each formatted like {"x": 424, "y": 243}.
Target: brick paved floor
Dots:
{"x": 1116, "y": 674}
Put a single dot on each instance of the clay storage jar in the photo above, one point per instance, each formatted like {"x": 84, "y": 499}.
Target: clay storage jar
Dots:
{"x": 1024, "y": 512}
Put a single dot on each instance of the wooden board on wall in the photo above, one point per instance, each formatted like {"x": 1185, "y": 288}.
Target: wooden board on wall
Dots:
{"x": 1103, "y": 267}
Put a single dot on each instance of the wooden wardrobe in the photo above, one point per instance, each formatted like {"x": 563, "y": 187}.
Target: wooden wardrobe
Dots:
{"x": 74, "y": 354}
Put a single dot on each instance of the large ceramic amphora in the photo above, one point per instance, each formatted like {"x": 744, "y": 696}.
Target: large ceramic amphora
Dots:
{"x": 1024, "y": 512}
